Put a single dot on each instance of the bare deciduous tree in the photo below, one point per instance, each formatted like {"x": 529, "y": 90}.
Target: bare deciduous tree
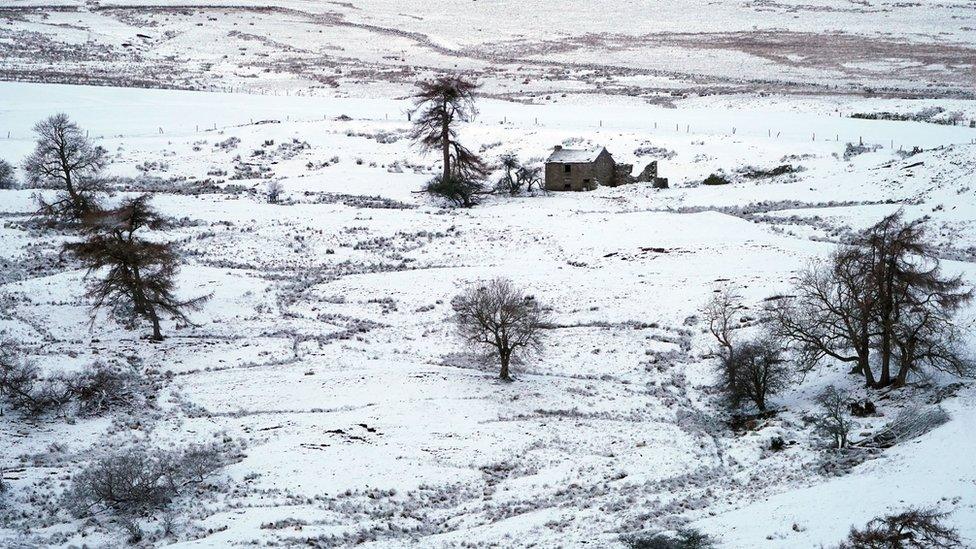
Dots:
{"x": 140, "y": 277}
{"x": 517, "y": 176}
{"x": 752, "y": 372}
{"x": 830, "y": 315}
{"x": 834, "y": 422}
{"x": 722, "y": 313}
{"x": 65, "y": 159}
{"x": 502, "y": 319}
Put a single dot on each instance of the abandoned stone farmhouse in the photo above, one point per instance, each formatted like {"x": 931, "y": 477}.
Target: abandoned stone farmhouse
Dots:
{"x": 587, "y": 169}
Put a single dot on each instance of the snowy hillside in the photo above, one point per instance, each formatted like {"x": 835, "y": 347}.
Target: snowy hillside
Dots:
{"x": 325, "y": 369}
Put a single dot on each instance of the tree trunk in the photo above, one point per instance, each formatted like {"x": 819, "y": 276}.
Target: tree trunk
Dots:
{"x": 864, "y": 357}
{"x": 142, "y": 303}
{"x": 887, "y": 323}
{"x": 505, "y": 358}
{"x": 157, "y": 333}
{"x": 907, "y": 355}
{"x": 446, "y": 143}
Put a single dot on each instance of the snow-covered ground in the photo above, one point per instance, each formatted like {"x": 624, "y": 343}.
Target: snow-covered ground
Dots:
{"x": 327, "y": 349}
{"x": 533, "y": 51}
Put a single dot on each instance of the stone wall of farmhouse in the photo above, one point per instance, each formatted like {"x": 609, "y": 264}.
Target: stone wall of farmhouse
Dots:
{"x": 580, "y": 177}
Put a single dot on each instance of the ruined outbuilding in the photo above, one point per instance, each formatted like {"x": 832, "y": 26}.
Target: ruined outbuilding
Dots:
{"x": 587, "y": 169}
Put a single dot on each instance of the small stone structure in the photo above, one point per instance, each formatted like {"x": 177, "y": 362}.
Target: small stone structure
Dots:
{"x": 579, "y": 169}
{"x": 586, "y": 169}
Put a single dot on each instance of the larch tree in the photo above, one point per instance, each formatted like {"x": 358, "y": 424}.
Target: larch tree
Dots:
{"x": 65, "y": 159}
{"x": 916, "y": 302}
{"x": 440, "y": 105}
{"x": 883, "y": 304}
{"x": 139, "y": 275}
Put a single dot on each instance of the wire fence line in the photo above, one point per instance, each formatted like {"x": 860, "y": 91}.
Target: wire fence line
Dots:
{"x": 669, "y": 129}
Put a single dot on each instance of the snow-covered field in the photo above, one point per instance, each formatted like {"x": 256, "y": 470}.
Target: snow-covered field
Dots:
{"x": 532, "y": 51}
{"x": 327, "y": 348}
{"x": 327, "y": 352}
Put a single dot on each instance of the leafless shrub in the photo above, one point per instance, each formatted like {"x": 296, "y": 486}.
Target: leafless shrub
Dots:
{"x": 517, "y": 176}
{"x": 834, "y": 422}
{"x": 95, "y": 389}
{"x": 911, "y": 529}
{"x": 499, "y": 317}
{"x": 684, "y": 538}
{"x": 100, "y": 387}
{"x": 131, "y": 481}
{"x": 22, "y": 389}
{"x": 852, "y": 150}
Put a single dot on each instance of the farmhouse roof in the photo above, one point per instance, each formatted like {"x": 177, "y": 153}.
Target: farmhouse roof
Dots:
{"x": 574, "y": 156}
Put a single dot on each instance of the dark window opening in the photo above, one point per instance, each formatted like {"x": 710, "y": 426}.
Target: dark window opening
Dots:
{"x": 566, "y": 186}
{"x": 566, "y": 168}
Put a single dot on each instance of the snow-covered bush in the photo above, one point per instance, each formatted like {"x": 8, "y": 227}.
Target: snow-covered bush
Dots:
{"x": 274, "y": 191}
{"x": 100, "y": 387}
{"x": 139, "y": 479}
{"x": 7, "y": 179}
{"x": 716, "y": 179}
{"x": 461, "y": 192}
{"x": 94, "y": 390}
{"x": 911, "y": 529}
{"x": 852, "y": 150}
{"x": 22, "y": 389}
{"x": 685, "y": 538}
